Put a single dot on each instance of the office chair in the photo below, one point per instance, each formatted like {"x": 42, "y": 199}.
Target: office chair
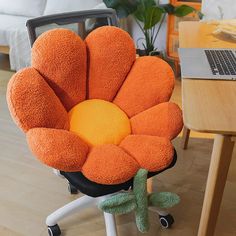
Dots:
{"x": 96, "y": 132}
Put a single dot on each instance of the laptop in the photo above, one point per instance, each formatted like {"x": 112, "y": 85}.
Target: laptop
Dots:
{"x": 208, "y": 63}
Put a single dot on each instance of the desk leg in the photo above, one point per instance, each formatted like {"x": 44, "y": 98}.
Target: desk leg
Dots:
{"x": 219, "y": 166}
{"x": 150, "y": 185}
{"x": 185, "y": 137}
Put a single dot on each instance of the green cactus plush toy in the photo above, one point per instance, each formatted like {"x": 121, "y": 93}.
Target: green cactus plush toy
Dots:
{"x": 138, "y": 201}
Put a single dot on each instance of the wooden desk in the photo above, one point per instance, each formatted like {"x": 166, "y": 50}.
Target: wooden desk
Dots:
{"x": 210, "y": 106}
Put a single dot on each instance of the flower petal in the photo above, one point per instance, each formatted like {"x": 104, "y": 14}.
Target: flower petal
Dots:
{"x": 109, "y": 164}
{"x": 32, "y": 103}
{"x": 152, "y": 153}
{"x": 164, "y": 120}
{"x": 111, "y": 53}
{"x": 59, "y": 149}
{"x": 150, "y": 82}
{"x": 60, "y": 56}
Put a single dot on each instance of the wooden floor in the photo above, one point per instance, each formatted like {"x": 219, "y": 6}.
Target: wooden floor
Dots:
{"x": 29, "y": 191}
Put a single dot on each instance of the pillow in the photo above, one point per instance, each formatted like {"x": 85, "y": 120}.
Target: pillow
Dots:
{"x": 22, "y": 7}
{"x": 59, "y": 6}
{"x": 218, "y": 9}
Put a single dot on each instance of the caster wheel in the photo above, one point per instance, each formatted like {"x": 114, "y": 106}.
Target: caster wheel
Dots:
{"x": 166, "y": 221}
{"x": 72, "y": 189}
{"x": 54, "y": 230}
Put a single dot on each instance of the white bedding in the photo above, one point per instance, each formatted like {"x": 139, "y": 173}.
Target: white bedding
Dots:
{"x": 22, "y": 7}
{"x": 58, "y": 6}
{"x": 13, "y": 33}
{"x": 10, "y": 23}
{"x": 20, "y": 50}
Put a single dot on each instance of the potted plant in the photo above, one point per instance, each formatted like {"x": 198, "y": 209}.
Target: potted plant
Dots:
{"x": 149, "y": 16}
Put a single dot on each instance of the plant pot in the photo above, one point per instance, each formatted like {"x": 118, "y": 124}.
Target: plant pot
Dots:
{"x": 157, "y": 54}
{"x": 141, "y": 52}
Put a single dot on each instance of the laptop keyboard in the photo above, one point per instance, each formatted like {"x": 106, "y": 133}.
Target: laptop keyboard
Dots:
{"x": 222, "y": 62}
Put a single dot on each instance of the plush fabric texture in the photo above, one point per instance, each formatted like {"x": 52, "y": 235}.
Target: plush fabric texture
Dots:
{"x": 60, "y": 57}
{"x": 164, "y": 200}
{"x": 138, "y": 200}
{"x": 163, "y": 120}
{"x": 59, "y": 149}
{"x": 151, "y": 152}
{"x": 140, "y": 192}
{"x": 120, "y": 203}
{"x": 108, "y": 70}
{"x": 116, "y": 136}
{"x": 99, "y": 122}
{"x": 150, "y": 82}
{"x": 33, "y": 103}
{"x": 109, "y": 164}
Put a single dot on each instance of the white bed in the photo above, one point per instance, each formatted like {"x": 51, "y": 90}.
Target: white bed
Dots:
{"x": 13, "y": 17}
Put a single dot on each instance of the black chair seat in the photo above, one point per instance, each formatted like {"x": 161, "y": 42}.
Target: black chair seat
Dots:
{"x": 84, "y": 185}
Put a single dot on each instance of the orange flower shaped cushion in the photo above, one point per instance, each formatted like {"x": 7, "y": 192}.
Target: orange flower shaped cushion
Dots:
{"x": 91, "y": 106}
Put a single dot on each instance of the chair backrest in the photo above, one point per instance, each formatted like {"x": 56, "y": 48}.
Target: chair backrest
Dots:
{"x": 81, "y": 22}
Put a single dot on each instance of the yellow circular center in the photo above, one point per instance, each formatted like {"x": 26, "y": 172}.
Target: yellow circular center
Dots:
{"x": 99, "y": 122}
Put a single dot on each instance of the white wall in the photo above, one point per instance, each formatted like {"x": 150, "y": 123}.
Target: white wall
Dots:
{"x": 219, "y": 9}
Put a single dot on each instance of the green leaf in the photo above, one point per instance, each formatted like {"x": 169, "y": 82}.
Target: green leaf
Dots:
{"x": 140, "y": 181}
{"x": 183, "y": 10}
{"x": 122, "y": 12}
{"x": 142, "y": 10}
{"x": 111, "y": 3}
{"x": 146, "y": 3}
{"x": 140, "y": 13}
{"x": 140, "y": 192}
{"x": 169, "y": 8}
{"x": 164, "y": 199}
{"x": 120, "y": 203}
{"x": 123, "y": 7}
{"x": 129, "y": 5}
{"x": 153, "y": 16}
{"x": 200, "y": 15}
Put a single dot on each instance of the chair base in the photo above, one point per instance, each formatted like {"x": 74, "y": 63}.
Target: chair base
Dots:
{"x": 87, "y": 201}
{"x": 78, "y": 205}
